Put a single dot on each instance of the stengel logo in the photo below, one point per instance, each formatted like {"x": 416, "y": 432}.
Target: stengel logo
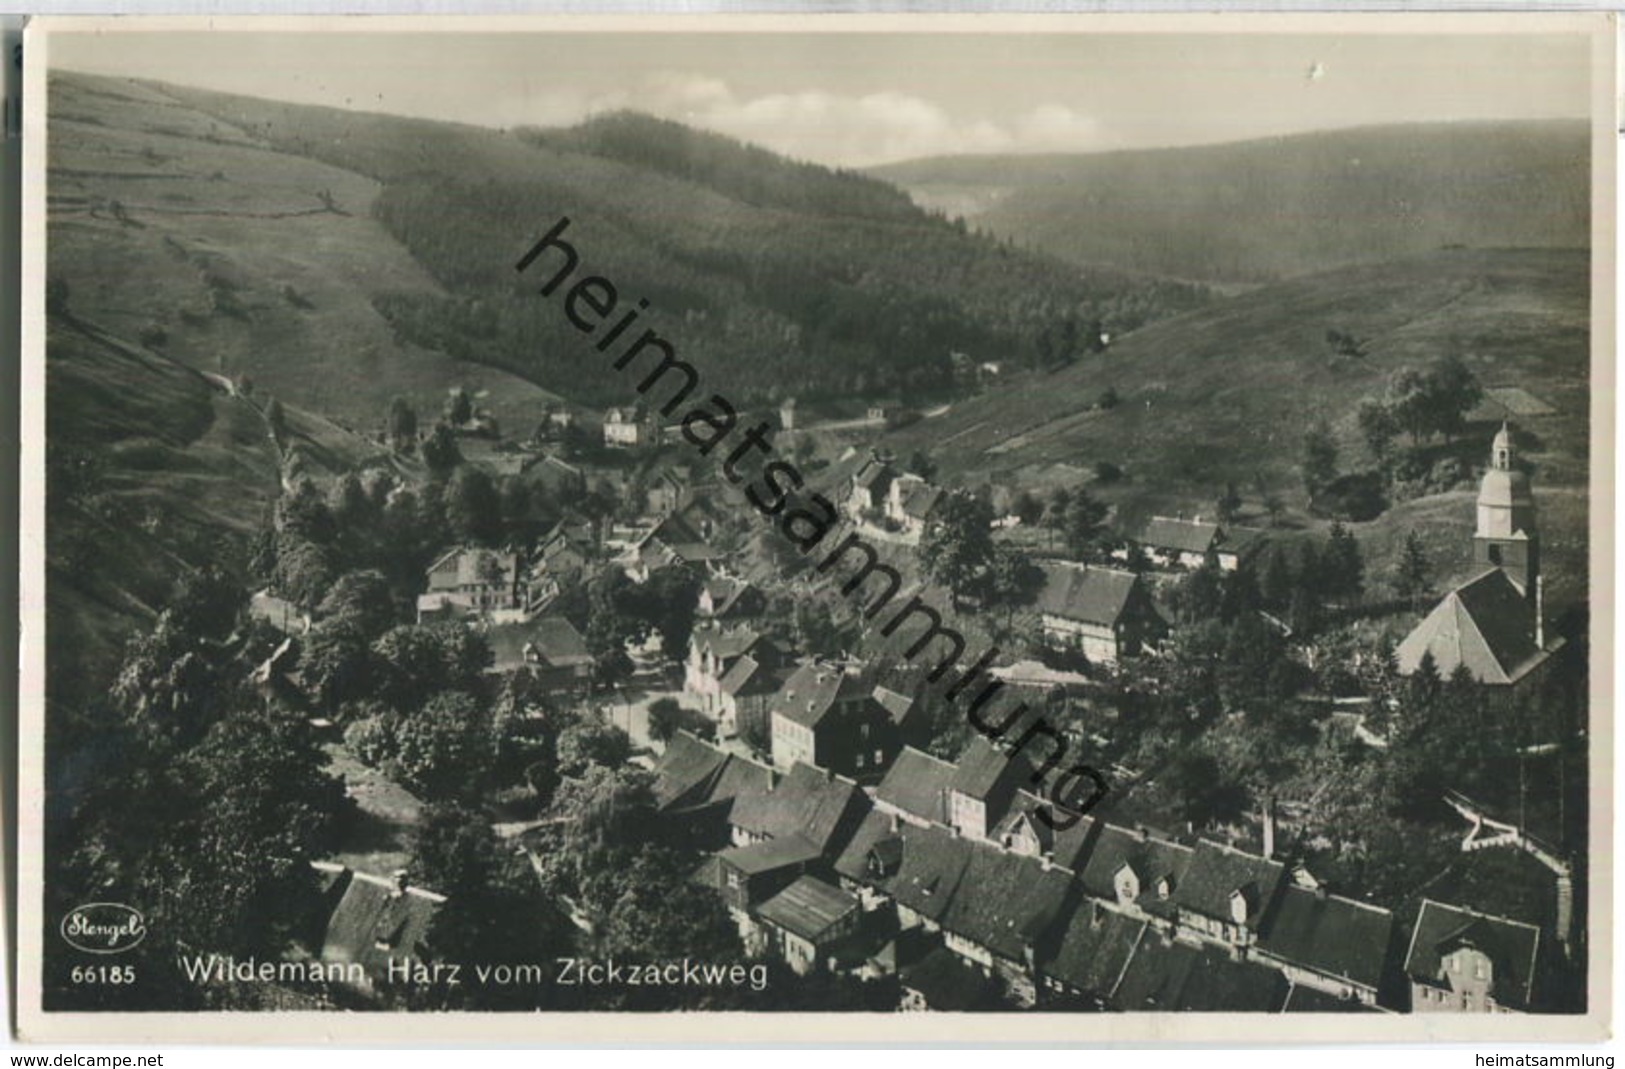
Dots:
{"x": 104, "y": 928}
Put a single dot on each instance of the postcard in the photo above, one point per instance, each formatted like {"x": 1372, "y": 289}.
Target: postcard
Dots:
{"x": 818, "y": 528}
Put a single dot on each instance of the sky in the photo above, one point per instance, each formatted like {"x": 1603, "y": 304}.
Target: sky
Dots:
{"x": 861, "y": 99}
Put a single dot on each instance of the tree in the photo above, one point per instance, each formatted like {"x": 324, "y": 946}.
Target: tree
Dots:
{"x": 670, "y": 599}
{"x": 1411, "y": 571}
{"x": 1013, "y": 580}
{"x": 1228, "y": 504}
{"x": 335, "y": 662}
{"x": 1275, "y": 581}
{"x": 592, "y": 742}
{"x": 665, "y": 719}
{"x": 1342, "y": 569}
{"x": 1085, "y": 527}
{"x": 417, "y": 660}
{"x": 1109, "y": 399}
{"x": 440, "y": 451}
{"x": 1319, "y": 464}
{"x": 362, "y": 599}
{"x": 231, "y": 871}
{"x": 276, "y": 419}
{"x": 444, "y": 748}
{"x": 459, "y": 407}
{"x": 1410, "y": 402}
{"x": 957, "y": 547}
{"x": 402, "y": 426}
{"x": 473, "y": 509}
{"x": 921, "y": 464}
{"x": 1454, "y": 391}
{"x": 1378, "y": 427}
{"x": 1028, "y": 509}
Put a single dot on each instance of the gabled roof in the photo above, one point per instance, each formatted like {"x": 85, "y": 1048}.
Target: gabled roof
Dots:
{"x": 465, "y": 566}
{"x": 822, "y": 809}
{"x": 917, "y": 784}
{"x": 874, "y": 473}
{"x": 725, "y": 643}
{"x": 1330, "y": 935}
{"x": 933, "y": 864}
{"x": 1485, "y": 624}
{"x": 746, "y": 676}
{"x": 771, "y": 855}
{"x": 947, "y": 983}
{"x": 872, "y": 831}
{"x": 675, "y": 533}
{"x": 1301, "y": 998}
{"x": 1217, "y": 871}
{"x": 1177, "y": 977}
{"x": 686, "y": 768}
{"x": 1098, "y": 856}
{"x": 1184, "y": 536}
{"x": 553, "y": 639}
{"x": 693, "y": 774}
{"x": 919, "y": 498}
{"x": 1003, "y": 901}
{"x": 728, "y": 593}
{"x": 1088, "y": 594}
{"x": 375, "y": 920}
{"x": 983, "y": 768}
{"x": 813, "y": 690}
{"x": 808, "y": 908}
{"x": 1511, "y": 946}
{"x": 1091, "y": 947}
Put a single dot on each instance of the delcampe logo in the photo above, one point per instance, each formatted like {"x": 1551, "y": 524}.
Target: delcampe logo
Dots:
{"x": 104, "y": 928}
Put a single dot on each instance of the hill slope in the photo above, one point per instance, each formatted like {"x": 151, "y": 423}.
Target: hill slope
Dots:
{"x": 173, "y": 226}
{"x": 1226, "y": 394}
{"x": 780, "y": 278}
{"x": 1260, "y": 210}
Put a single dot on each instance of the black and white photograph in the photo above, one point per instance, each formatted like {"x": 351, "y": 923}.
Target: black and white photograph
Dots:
{"x": 965, "y": 527}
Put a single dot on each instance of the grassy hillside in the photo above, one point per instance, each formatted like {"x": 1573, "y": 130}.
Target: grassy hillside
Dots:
{"x": 1261, "y": 210}
{"x": 196, "y": 236}
{"x": 1226, "y": 393}
{"x": 781, "y": 278}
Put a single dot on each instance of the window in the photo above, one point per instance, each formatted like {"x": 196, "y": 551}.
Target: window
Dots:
{"x": 879, "y": 757}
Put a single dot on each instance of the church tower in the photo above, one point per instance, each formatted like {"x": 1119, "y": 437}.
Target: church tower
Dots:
{"x": 1506, "y": 537}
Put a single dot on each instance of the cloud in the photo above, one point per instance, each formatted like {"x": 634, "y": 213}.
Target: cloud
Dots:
{"x": 831, "y": 128}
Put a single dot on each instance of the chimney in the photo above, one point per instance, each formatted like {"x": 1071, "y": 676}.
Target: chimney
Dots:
{"x": 1540, "y": 612}
{"x": 1269, "y": 826}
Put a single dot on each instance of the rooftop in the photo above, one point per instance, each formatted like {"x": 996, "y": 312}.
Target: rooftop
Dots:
{"x": 1511, "y": 946}
{"x": 808, "y": 908}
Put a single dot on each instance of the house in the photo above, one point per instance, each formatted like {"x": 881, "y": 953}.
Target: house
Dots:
{"x": 942, "y": 980}
{"x": 1226, "y": 893}
{"x": 1463, "y": 961}
{"x": 745, "y": 696}
{"x": 1103, "y": 613}
{"x": 1335, "y": 945}
{"x": 1177, "y": 542}
{"x": 871, "y": 484}
{"x": 473, "y": 582}
{"x": 984, "y": 783}
{"x": 713, "y": 652}
{"x": 806, "y": 803}
{"x": 910, "y": 500}
{"x": 750, "y": 875}
{"x": 549, "y": 646}
{"x": 373, "y": 923}
{"x": 665, "y": 493}
{"x": 915, "y": 788}
{"x": 726, "y": 599}
{"x": 806, "y": 920}
{"x": 1494, "y": 624}
{"x": 674, "y": 540}
{"x": 1485, "y": 626}
{"x": 696, "y": 786}
{"x": 1134, "y": 870}
{"x": 556, "y": 478}
{"x": 830, "y": 717}
{"x": 1080, "y": 962}
{"x": 1175, "y": 977}
{"x": 629, "y": 428}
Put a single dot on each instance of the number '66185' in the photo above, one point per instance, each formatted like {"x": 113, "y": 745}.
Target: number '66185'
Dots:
{"x": 102, "y": 974}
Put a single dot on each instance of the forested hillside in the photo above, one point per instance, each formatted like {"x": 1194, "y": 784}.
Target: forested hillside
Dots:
{"x": 781, "y": 278}
{"x": 1255, "y": 211}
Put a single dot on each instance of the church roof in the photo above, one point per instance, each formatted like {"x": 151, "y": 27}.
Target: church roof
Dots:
{"x": 1485, "y": 624}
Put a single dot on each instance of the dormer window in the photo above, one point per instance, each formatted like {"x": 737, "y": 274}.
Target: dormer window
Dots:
{"x": 1165, "y": 886}
{"x": 1127, "y": 884}
{"x": 1240, "y": 905}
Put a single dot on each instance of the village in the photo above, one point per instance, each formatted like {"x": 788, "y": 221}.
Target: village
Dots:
{"x": 640, "y": 634}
